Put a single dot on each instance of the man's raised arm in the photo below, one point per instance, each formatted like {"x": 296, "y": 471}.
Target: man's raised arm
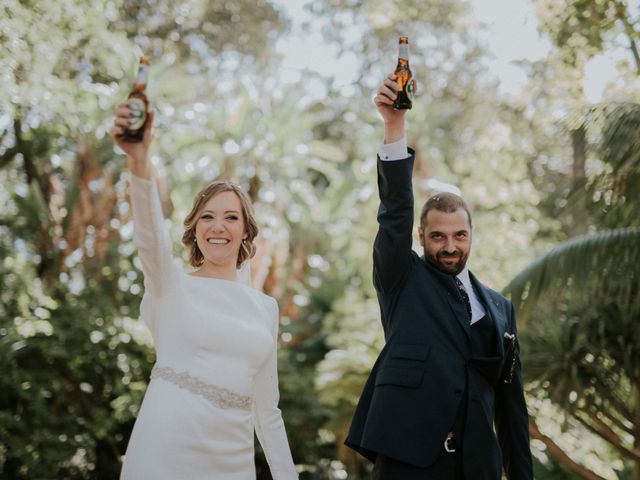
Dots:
{"x": 392, "y": 247}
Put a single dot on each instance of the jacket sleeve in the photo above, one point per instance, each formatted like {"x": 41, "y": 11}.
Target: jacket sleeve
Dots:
{"x": 151, "y": 236}
{"x": 392, "y": 246}
{"x": 268, "y": 421}
{"x": 512, "y": 419}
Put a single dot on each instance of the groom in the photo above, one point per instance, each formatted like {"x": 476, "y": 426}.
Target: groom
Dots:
{"x": 444, "y": 399}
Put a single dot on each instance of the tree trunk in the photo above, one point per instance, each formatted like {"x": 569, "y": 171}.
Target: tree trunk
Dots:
{"x": 579, "y": 146}
{"x": 623, "y": 16}
{"x": 559, "y": 455}
{"x": 635, "y": 405}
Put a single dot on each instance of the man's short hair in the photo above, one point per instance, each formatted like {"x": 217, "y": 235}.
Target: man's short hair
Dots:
{"x": 444, "y": 202}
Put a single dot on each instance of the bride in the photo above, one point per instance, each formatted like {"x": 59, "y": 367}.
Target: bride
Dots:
{"x": 215, "y": 379}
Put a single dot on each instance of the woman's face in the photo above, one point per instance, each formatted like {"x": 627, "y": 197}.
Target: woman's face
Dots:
{"x": 220, "y": 229}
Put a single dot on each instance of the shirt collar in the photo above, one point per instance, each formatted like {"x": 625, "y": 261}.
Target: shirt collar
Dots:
{"x": 463, "y": 276}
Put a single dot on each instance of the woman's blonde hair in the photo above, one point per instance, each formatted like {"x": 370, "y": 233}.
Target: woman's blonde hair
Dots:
{"x": 247, "y": 248}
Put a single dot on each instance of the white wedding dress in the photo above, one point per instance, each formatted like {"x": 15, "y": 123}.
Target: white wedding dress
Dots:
{"x": 215, "y": 378}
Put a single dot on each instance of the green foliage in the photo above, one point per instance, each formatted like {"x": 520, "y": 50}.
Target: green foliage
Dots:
{"x": 614, "y": 194}
{"x": 581, "y": 337}
{"x": 75, "y": 368}
{"x": 199, "y": 30}
{"x": 570, "y": 267}
{"x": 580, "y": 314}
{"x": 570, "y": 22}
{"x": 578, "y": 303}
{"x": 584, "y": 28}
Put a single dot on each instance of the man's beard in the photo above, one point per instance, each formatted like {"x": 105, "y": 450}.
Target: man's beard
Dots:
{"x": 436, "y": 261}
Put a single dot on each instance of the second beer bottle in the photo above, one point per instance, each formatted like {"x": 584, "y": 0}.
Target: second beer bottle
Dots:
{"x": 138, "y": 103}
{"x": 404, "y": 78}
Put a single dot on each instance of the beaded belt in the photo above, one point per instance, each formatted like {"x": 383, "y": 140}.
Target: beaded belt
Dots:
{"x": 220, "y": 397}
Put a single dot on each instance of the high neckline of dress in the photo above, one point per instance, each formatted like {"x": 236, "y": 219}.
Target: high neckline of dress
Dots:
{"x": 225, "y": 280}
{"x": 216, "y": 279}
{"x": 211, "y": 278}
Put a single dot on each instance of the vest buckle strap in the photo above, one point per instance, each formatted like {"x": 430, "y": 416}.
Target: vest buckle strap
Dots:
{"x": 450, "y": 443}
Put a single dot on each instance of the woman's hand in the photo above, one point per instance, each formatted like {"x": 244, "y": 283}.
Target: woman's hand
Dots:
{"x": 137, "y": 153}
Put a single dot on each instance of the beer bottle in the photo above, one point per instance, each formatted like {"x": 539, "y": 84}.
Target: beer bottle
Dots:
{"x": 404, "y": 78}
{"x": 139, "y": 104}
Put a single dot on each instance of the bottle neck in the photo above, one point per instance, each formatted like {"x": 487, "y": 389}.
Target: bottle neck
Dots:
{"x": 139, "y": 87}
{"x": 142, "y": 77}
{"x": 403, "y": 51}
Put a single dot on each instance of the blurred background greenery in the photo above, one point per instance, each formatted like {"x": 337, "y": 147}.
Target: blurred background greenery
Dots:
{"x": 554, "y": 180}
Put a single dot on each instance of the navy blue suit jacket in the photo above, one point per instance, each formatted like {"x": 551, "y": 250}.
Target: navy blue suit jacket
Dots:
{"x": 415, "y": 388}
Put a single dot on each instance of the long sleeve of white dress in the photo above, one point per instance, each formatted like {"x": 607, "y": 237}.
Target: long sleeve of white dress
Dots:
{"x": 269, "y": 425}
{"x": 151, "y": 237}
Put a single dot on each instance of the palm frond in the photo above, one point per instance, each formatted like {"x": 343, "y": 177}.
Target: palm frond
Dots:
{"x": 619, "y": 142}
{"x": 612, "y": 195}
{"x": 605, "y": 265}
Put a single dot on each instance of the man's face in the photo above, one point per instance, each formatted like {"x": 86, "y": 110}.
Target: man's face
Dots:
{"x": 446, "y": 238}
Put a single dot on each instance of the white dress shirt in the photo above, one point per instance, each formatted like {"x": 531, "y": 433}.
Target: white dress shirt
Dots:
{"x": 394, "y": 151}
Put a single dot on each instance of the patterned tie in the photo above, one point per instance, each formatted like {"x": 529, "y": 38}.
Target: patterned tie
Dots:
{"x": 465, "y": 295}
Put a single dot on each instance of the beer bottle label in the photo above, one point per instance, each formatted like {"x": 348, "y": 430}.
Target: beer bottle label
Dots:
{"x": 410, "y": 88}
{"x": 138, "y": 111}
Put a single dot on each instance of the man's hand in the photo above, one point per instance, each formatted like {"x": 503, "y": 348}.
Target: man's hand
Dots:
{"x": 393, "y": 119}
